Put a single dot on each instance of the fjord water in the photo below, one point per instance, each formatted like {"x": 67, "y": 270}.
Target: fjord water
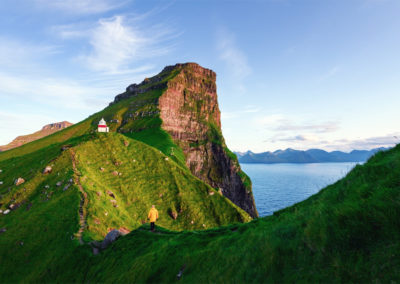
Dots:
{"x": 276, "y": 186}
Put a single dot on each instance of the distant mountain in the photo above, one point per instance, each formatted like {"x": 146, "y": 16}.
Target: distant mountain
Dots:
{"x": 309, "y": 156}
{"x": 46, "y": 130}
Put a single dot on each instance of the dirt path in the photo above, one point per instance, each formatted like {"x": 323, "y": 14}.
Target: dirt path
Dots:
{"x": 84, "y": 199}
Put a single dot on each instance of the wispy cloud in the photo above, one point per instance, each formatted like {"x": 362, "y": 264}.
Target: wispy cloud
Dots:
{"x": 367, "y": 143}
{"x": 286, "y": 125}
{"x": 308, "y": 141}
{"x": 282, "y": 123}
{"x": 330, "y": 73}
{"x": 82, "y": 6}
{"x": 231, "y": 54}
{"x": 246, "y": 111}
{"x": 15, "y": 54}
{"x": 53, "y": 91}
{"x": 296, "y": 138}
{"x": 118, "y": 44}
{"x": 16, "y": 124}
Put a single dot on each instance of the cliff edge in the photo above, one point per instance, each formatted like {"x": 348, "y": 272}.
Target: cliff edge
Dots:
{"x": 188, "y": 108}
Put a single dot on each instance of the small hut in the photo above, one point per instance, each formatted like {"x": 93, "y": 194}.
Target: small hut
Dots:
{"x": 102, "y": 127}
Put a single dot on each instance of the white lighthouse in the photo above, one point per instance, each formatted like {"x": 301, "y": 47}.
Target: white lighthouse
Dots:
{"x": 102, "y": 127}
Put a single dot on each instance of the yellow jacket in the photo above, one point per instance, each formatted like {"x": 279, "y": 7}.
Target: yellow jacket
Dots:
{"x": 153, "y": 215}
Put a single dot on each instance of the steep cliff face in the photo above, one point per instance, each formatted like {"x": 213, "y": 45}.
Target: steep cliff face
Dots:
{"x": 46, "y": 130}
{"x": 190, "y": 114}
{"x": 182, "y": 101}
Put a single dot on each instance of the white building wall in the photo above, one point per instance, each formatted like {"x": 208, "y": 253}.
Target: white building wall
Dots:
{"x": 102, "y": 129}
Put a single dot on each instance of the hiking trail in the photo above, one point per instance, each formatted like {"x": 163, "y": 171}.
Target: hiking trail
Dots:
{"x": 84, "y": 199}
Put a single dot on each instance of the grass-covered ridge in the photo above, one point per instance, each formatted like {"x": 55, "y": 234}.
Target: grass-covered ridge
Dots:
{"x": 348, "y": 232}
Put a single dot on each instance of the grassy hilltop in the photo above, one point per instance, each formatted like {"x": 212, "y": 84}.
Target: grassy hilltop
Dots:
{"x": 348, "y": 232}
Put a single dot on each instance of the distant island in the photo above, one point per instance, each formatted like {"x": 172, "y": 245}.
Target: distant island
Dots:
{"x": 308, "y": 156}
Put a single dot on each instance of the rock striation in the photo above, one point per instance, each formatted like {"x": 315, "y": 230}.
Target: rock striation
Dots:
{"x": 190, "y": 114}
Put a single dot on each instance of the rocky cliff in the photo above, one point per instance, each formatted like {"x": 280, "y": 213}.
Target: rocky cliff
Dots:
{"x": 188, "y": 107}
{"x": 46, "y": 130}
{"x": 190, "y": 113}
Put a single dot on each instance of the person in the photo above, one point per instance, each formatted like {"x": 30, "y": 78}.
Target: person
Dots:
{"x": 153, "y": 216}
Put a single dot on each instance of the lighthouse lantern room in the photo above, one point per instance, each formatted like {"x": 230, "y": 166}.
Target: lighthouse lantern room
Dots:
{"x": 102, "y": 127}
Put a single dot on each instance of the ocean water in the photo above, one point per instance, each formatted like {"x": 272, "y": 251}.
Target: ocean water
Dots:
{"x": 276, "y": 186}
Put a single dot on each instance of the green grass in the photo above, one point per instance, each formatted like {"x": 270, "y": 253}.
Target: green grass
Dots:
{"x": 148, "y": 177}
{"x": 41, "y": 235}
{"x": 348, "y": 232}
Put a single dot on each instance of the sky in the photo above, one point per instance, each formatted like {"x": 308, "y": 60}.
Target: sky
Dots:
{"x": 290, "y": 73}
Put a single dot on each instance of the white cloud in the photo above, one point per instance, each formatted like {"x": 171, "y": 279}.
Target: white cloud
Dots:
{"x": 119, "y": 44}
{"x": 268, "y": 121}
{"x": 297, "y": 138}
{"x": 230, "y": 53}
{"x": 245, "y": 111}
{"x": 330, "y": 73}
{"x": 82, "y": 6}
{"x": 53, "y": 91}
{"x": 15, "y": 54}
{"x": 367, "y": 143}
{"x": 330, "y": 126}
{"x": 282, "y": 123}
{"x": 114, "y": 45}
{"x": 16, "y": 124}
{"x": 309, "y": 141}
{"x": 70, "y": 31}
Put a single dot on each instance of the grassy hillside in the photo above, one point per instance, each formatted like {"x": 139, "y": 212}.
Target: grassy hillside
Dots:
{"x": 348, "y": 232}
{"x": 137, "y": 177}
{"x": 121, "y": 177}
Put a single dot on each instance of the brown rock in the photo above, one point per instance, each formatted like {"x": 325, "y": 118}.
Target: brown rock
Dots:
{"x": 115, "y": 173}
{"x": 126, "y": 143}
{"x": 110, "y": 193}
{"x": 189, "y": 111}
{"x": 47, "y": 170}
{"x": 114, "y": 202}
{"x": 173, "y": 214}
{"x": 101, "y": 169}
{"x": 19, "y": 181}
{"x": 124, "y": 231}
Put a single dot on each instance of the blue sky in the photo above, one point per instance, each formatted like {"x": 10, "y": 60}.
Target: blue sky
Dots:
{"x": 290, "y": 73}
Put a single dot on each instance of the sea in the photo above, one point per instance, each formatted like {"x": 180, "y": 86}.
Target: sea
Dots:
{"x": 276, "y": 186}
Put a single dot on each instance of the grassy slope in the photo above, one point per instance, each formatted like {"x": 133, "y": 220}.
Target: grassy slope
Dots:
{"x": 147, "y": 177}
{"x": 40, "y": 235}
{"x": 47, "y": 227}
{"x": 348, "y": 232}
{"x": 48, "y": 219}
